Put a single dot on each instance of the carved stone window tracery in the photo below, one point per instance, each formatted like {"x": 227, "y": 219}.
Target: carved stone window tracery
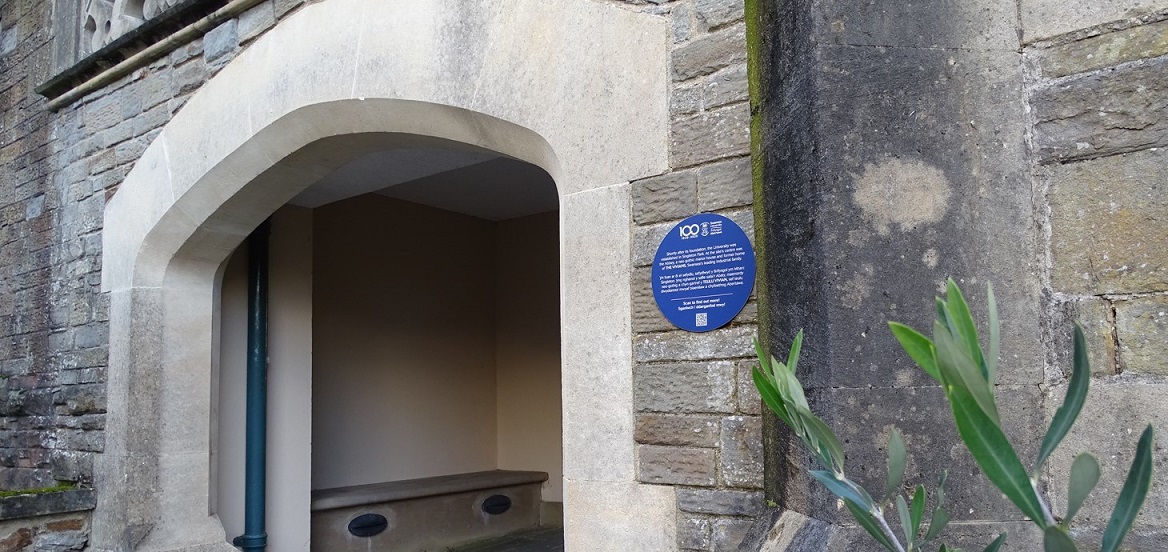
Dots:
{"x": 103, "y": 21}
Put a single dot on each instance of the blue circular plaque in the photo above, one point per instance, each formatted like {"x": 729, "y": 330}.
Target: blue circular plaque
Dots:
{"x": 703, "y": 272}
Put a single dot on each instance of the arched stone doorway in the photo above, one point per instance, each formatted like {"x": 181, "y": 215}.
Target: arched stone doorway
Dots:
{"x": 578, "y": 89}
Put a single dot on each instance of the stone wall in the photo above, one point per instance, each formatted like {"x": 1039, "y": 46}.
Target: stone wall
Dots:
{"x": 56, "y": 172}
{"x": 52, "y": 318}
{"x": 698, "y": 424}
{"x": 1097, "y": 85}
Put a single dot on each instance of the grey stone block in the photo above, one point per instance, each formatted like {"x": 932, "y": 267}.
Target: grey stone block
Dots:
{"x": 724, "y": 184}
{"x": 693, "y": 532}
{"x": 255, "y": 21}
{"x": 1142, "y": 331}
{"x": 728, "y": 342}
{"x": 647, "y": 315}
{"x": 716, "y": 13}
{"x": 665, "y": 197}
{"x": 221, "y": 40}
{"x": 710, "y": 135}
{"x": 749, "y": 401}
{"x": 720, "y": 502}
{"x": 728, "y": 534}
{"x": 706, "y": 54}
{"x": 724, "y": 87}
{"x": 1108, "y": 223}
{"x": 946, "y": 24}
{"x": 677, "y": 465}
{"x": 665, "y": 429}
{"x": 24, "y": 506}
{"x": 1110, "y": 433}
{"x": 741, "y": 452}
{"x": 1102, "y": 114}
{"x": 1105, "y": 50}
{"x": 684, "y": 388}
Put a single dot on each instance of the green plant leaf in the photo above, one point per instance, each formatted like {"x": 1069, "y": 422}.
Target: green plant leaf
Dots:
{"x": 905, "y": 521}
{"x": 770, "y": 396}
{"x": 763, "y": 364}
{"x": 938, "y": 522}
{"x": 998, "y": 542}
{"x": 991, "y": 361}
{"x": 824, "y": 435}
{"x": 868, "y": 522}
{"x": 896, "y": 461}
{"x": 1066, "y": 414}
{"x": 793, "y": 355}
{"x": 918, "y": 347}
{"x": 1054, "y": 539}
{"x": 958, "y": 370}
{"x": 1084, "y": 476}
{"x": 942, "y": 315}
{"x": 1131, "y": 497}
{"x": 843, "y": 488}
{"x": 918, "y": 510}
{"x": 993, "y": 453}
{"x": 961, "y": 325}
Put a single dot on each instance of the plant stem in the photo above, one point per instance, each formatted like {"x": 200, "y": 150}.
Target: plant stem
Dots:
{"x": 879, "y": 515}
{"x": 1049, "y": 518}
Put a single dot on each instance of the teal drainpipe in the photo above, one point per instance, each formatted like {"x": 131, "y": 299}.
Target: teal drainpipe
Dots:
{"x": 255, "y": 537}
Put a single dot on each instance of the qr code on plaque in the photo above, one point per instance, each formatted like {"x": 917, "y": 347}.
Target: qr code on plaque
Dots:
{"x": 702, "y": 319}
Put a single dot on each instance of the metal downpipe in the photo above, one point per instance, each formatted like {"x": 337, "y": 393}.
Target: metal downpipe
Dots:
{"x": 255, "y": 537}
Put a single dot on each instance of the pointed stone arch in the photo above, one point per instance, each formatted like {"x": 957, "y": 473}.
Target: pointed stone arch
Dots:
{"x": 576, "y": 87}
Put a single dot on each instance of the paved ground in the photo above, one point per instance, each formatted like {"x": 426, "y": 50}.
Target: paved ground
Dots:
{"x": 533, "y": 540}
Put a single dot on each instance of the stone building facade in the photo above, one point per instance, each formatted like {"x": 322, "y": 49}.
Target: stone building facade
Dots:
{"x": 123, "y": 191}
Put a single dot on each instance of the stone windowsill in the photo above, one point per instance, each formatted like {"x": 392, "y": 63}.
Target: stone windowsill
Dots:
{"x": 32, "y": 505}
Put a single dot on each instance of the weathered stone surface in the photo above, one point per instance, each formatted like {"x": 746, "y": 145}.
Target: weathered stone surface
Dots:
{"x": 677, "y": 465}
{"x": 728, "y": 533}
{"x": 221, "y": 40}
{"x": 725, "y": 87}
{"x": 1109, "y": 224}
{"x": 255, "y": 21}
{"x": 749, "y": 401}
{"x": 684, "y": 388}
{"x": 1105, "y": 50}
{"x": 722, "y": 502}
{"x": 665, "y": 197}
{"x": 741, "y": 451}
{"x": 945, "y": 24}
{"x": 1096, "y": 317}
{"x": 1109, "y": 427}
{"x": 716, "y": 13}
{"x": 863, "y": 419}
{"x": 789, "y": 531}
{"x": 709, "y": 53}
{"x": 1104, "y": 113}
{"x": 1142, "y": 329}
{"x": 693, "y": 532}
{"x": 724, "y": 184}
{"x": 665, "y": 429}
{"x": 647, "y": 315}
{"x": 1049, "y": 18}
{"x": 711, "y": 135}
{"x": 728, "y": 342}
{"x": 24, "y": 506}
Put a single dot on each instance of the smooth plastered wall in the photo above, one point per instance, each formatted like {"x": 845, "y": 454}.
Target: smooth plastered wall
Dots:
{"x": 289, "y": 393}
{"x": 527, "y": 348}
{"x": 404, "y": 365}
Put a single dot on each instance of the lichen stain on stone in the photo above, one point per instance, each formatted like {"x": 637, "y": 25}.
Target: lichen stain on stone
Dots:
{"x": 859, "y": 287}
{"x": 903, "y": 193}
{"x": 930, "y": 258}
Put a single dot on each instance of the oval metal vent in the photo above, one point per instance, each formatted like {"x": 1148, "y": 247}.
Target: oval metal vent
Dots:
{"x": 367, "y": 525}
{"x": 496, "y": 504}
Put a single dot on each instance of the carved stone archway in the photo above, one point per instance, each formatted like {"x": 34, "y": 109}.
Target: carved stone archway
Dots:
{"x": 576, "y": 87}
